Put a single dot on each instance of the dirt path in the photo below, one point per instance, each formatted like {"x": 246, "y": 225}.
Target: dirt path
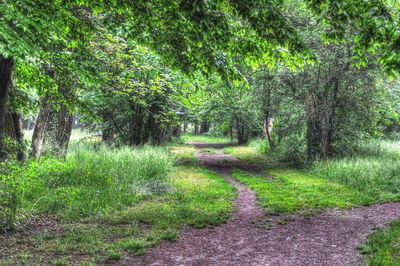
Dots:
{"x": 329, "y": 238}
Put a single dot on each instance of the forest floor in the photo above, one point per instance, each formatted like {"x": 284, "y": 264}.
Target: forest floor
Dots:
{"x": 251, "y": 237}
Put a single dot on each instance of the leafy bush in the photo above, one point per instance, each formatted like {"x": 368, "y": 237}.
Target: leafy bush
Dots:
{"x": 291, "y": 149}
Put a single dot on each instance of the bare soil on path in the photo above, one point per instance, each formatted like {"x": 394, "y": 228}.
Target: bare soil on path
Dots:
{"x": 329, "y": 238}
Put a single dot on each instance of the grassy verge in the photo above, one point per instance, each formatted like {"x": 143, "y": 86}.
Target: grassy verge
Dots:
{"x": 374, "y": 170}
{"x": 295, "y": 190}
{"x": 205, "y": 138}
{"x": 102, "y": 204}
{"x": 383, "y": 246}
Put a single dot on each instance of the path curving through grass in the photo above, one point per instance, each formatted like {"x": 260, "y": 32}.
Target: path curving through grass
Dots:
{"x": 253, "y": 238}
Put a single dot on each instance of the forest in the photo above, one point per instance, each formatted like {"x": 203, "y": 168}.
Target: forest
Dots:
{"x": 202, "y": 132}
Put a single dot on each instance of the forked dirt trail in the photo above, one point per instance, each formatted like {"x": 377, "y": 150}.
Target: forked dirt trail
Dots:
{"x": 329, "y": 238}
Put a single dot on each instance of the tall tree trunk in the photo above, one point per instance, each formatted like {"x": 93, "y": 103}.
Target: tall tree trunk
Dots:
{"x": 64, "y": 130}
{"x": 176, "y": 130}
{"x": 52, "y": 130}
{"x": 6, "y": 67}
{"x": 40, "y": 128}
{"x": 204, "y": 126}
{"x": 241, "y": 133}
{"x": 19, "y": 135}
{"x": 136, "y": 126}
{"x": 268, "y": 122}
{"x": 185, "y": 126}
{"x": 196, "y": 128}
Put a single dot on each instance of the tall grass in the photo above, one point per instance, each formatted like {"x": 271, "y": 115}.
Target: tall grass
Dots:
{"x": 92, "y": 179}
{"x": 374, "y": 169}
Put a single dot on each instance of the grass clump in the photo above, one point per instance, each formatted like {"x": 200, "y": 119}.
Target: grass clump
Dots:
{"x": 374, "y": 170}
{"x": 383, "y": 246}
{"x": 295, "y": 190}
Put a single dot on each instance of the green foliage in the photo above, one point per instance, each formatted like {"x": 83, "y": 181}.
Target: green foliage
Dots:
{"x": 382, "y": 246}
{"x": 295, "y": 190}
{"x": 291, "y": 150}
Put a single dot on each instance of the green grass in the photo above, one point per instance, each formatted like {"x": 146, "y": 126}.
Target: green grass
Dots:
{"x": 104, "y": 202}
{"x": 383, "y": 246}
{"x": 208, "y": 150}
{"x": 76, "y": 134}
{"x": 374, "y": 170}
{"x": 250, "y": 154}
{"x": 205, "y": 138}
{"x": 295, "y": 190}
{"x": 184, "y": 154}
{"x": 93, "y": 179}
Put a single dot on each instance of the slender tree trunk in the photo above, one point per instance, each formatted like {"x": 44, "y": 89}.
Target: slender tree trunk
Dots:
{"x": 64, "y": 129}
{"x": 19, "y": 135}
{"x": 6, "y": 67}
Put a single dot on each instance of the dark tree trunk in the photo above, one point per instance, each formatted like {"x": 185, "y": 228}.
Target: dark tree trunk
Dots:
{"x": 241, "y": 133}
{"x": 6, "y": 67}
{"x": 185, "y": 126}
{"x": 19, "y": 135}
{"x": 204, "y": 126}
{"x": 136, "y": 126}
{"x": 176, "y": 131}
{"x": 196, "y": 128}
{"x": 154, "y": 127}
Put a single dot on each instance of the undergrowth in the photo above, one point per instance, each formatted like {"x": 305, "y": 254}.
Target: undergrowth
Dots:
{"x": 374, "y": 170}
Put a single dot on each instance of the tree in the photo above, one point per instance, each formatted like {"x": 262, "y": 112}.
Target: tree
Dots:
{"x": 206, "y": 36}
